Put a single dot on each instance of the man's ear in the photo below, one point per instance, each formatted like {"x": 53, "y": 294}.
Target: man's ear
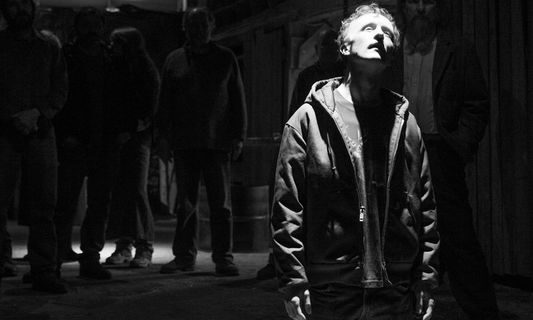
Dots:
{"x": 344, "y": 49}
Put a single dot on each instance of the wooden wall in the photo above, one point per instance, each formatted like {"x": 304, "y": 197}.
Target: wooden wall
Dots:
{"x": 501, "y": 177}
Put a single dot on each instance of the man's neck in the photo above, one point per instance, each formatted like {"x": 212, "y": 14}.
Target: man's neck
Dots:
{"x": 364, "y": 83}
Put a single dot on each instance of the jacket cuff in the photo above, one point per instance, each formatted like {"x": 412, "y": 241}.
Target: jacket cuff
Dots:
{"x": 293, "y": 288}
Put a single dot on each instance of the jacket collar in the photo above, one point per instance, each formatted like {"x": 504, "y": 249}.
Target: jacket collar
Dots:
{"x": 322, "y": 92}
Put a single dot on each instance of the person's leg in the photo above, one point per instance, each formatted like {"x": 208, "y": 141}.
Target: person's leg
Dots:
{"x": 187, "y": 164}
{"x": 144, "y": 220}
{"x": 9, "y": 171}
{"x": 460, "y": 252}
{"x": 71, "y": 173}
{"x": 122, "y": 217}
{"x": 101, "y": 174}
{"x": 39, "y": 179}
{"x": 217, "y": 177}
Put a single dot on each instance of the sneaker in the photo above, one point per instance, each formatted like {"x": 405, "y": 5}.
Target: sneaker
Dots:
{"x": 49, "y": 283}
{"x": 120, "y": 256}
{"x": 143, "y": 257}
{"x": 177, "y": 265}
{"x": 91, "y": 268}
{"x": 226, "y": 269}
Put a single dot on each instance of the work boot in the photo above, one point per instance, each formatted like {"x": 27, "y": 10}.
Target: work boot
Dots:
{"x": 48, "y": 282}
{"x": 177, "y": 265}
{"x": 91, "y": 268}
{"x": 121, "y": 255}
{"x": 226, "y": 269}
{"x": 143, "y": 256}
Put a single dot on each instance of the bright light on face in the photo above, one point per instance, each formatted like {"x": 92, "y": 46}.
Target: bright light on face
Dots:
{"x": 369, "y": 37}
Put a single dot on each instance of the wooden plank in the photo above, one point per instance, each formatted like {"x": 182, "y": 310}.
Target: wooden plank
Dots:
{"x": 529, "y": 41}
{"x": 498, "y": 221}
{"x": 505, "y": 142}
{"x": 519, "y": 135}
{"x": 483, "y": 181}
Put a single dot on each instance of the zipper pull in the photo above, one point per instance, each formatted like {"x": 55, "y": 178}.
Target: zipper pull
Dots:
{"x": 362, "y": 211}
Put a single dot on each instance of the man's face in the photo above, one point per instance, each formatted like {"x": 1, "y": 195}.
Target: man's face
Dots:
{"x": 420, "y": 11}
{"x": 198, "y": 29}
{"x": 19, "y": 13}
{"x": 369, "y": 37}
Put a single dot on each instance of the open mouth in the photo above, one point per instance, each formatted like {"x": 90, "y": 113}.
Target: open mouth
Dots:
{"x": 377, "y": 46}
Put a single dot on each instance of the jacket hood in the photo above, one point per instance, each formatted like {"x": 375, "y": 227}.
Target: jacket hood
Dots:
{"x": 322, "y": 92}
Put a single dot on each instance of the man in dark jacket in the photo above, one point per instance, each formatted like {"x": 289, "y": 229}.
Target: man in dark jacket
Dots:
{"x": 441, "y": 76}
{"x": 354, "y": 222}
{"x": 84, "y": 151}
{"x": 204, "y": 114}
{"x": 33, "y": 88}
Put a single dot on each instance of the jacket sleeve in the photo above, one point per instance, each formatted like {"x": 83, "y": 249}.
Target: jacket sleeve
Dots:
{"x": 288, "y": 212}
{"x": 474, "y": 114}
{"x": 237, "y": 102}
{"x": 58, "y": 84}
{"x": 148, "y": 95}
{"x": 429, "y": 236}
{"x": 164, "y": 112}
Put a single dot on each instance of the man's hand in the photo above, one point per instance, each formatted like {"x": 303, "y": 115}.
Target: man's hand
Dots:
{"x": 293, "y": 306}
{"x": 26, "y": 121}
{"x": 424, "y": 302}
{"x": 236, "y": 149}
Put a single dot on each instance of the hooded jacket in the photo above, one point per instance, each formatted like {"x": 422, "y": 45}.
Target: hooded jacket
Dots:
{"x": 326, "y": 226}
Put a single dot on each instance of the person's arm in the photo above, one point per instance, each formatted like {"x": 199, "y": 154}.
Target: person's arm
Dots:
{"x": 425, "y": 275}
{"x": 164, "y": 113}
{"x": 29, "y": 120}
{"x": 237, "y": 103}
{"x": 475, "y": 106}
{"x": 58, "y": 85}
{"x": 148, "y": 96}
{"x": 287, "y": 214}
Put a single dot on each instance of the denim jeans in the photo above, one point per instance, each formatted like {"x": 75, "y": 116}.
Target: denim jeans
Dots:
{"x": 131, "y": 216}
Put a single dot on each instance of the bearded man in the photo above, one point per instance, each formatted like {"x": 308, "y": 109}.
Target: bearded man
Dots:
{"x": 33, "y": 88}
{"x": 442, "y": 79}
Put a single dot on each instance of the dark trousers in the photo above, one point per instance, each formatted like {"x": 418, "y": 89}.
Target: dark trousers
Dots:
{"x": 131, "y": 216}
{"x": 343, "y": 302}
{"x": 35, "y": 157}
{"x": 215, "y": 168}
{"x": 460, "y": 252}
{"x": 98, "y": 163}
{"x": 72, "y": 170}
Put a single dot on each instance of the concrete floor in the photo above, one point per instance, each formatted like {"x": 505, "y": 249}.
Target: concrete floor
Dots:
{"x": 199, "y": 295}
